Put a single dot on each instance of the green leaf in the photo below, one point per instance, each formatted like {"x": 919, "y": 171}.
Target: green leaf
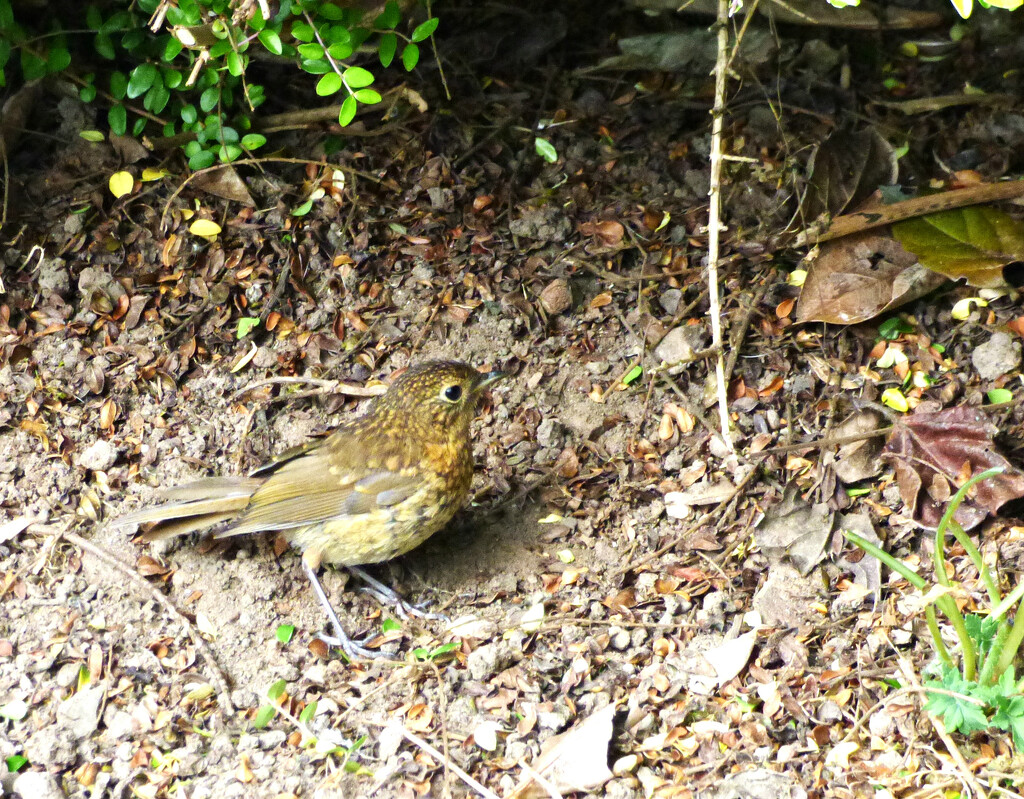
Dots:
{"x": 271, "y": 40}
{"x": 58, "y": 60}
{"x": 156, "y": 99}
{"x": 389, "y": 17}
{"x": 256, "y": 21}
{"x": 424, "y": 29}
{"x": 229, "y": 153}
{"x": 331, "y": 12}
{"x": 208, "y": 99}
{"x": 172, "y": 48}
{"x": 891, "y": 329}
{"x": 387, "y": 48}
{"x": 315, "y": 66}
{"x": 87, "y": 93}
{"x": 172, "y": 78}
{"x": 390, "y": 626}
{"x": 236, "y": 64}
{"x": 348, "y": 111}
{"x": 357, "y": 77}
{"x": 274, "y": 691}
{"x": 308, "y": 712}
{"x": 302, "y": 32}
{"x": 138, "y": 126}
{"x": 221, "y": 49}
{"x": 303, "y": 209}
{"x": 93, "y": 17}
{"x": 367, "y": 96}
{"x": 117, "y": 118}
{"x": 999, "y": 396}
{"x": 189, "y": 114}
{"x": 410, "y": 57}
{"x": 104, "y": 46}
{"x": 202, "y": 160}
{"x": 32, "y": 66}
{"x": 632, "y": 375}
{"x": 140, "y": 80}
{"x": 329, "y": 84}
{"x": 91, "y": 135}
{"x": 119, "y": 21}
{"x": 263, "y": 716}
{"x": 339, "y": 51}
{"x": 337, "y": 34}
{"x": 545, "y": 150}
{"x": 118, "y": 85}
{"x": 132, "y": 40}
{"x": 253, "y": 141}
{"x": 16, "y": 763}
{"x": 285, "y": 632}
{"x": 313, "y": 50}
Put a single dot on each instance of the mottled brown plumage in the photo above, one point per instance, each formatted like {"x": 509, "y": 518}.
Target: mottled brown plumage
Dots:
{"x": 372, "y": 490}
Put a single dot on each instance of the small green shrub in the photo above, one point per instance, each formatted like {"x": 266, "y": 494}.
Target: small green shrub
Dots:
{"x": 188, "y": 72}
{"x": 983, "y": 691}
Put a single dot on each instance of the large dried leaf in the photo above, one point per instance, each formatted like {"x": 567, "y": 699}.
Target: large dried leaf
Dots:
{"x": 795, "y": 531}
{"x": 846, "y": 169}
{"x": 858, "y": 277}
{"x": 973, "y": 243}
{"x": 575, "y": 760}
{"x": 936, "y": 452}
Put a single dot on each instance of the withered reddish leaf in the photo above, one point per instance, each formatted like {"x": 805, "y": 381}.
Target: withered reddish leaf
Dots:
{"x": 936, "y": 452}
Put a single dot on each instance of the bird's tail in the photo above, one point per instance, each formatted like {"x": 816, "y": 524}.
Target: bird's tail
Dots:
{"x": 194, "y": 506}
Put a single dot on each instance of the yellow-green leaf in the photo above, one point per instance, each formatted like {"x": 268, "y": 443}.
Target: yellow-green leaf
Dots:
{"x": 206, "y": 228}
{"x": 121, "y": 183}
{"x": 972, "y": 243}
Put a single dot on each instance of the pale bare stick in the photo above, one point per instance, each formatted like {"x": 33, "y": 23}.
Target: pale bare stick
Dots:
{"x": 715, "y": 215}
{"x": 220, "y": 679}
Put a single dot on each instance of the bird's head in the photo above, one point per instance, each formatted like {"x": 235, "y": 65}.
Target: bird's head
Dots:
{"x": 439, "y": 395}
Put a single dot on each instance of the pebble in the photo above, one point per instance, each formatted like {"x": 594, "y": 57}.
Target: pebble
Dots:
{"x": 679, "y": 345}
{"x": 997, "y": 356}
{"x": 669, "y": 300}
{"x": 37, "y": 785}
{"x": 98, "y": 456}
{"x": 79, "y": 715}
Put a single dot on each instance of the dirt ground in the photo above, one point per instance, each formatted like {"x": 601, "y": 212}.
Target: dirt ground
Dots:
{"x": 576, "y": 581}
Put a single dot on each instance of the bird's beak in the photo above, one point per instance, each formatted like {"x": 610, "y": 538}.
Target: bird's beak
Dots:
{"x": 488, "y": 379}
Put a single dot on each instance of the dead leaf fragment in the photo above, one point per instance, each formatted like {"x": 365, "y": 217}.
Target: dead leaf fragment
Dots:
{"x": 576, "y": 760}
{"x": 858, "y": 277}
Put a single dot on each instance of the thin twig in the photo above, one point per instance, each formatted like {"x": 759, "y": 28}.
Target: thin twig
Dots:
{"x": 481, "y": 789}
{"x": 328, "y": 386}
{"x": 220, "y": 679}
{"x": 714, "y": 216}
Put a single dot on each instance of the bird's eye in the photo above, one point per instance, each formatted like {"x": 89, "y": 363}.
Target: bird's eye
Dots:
{"x": 452, "y": 393}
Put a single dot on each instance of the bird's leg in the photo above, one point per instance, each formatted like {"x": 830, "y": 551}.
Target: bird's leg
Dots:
{"x": 388, "y": 596}
{"x": 340, "y": 639}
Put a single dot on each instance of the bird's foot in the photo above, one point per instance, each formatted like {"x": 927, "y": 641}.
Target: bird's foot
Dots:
{"x": 388, "y": 596}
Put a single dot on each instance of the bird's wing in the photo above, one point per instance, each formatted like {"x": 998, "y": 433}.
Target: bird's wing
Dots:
{"x": 323, "y": 483}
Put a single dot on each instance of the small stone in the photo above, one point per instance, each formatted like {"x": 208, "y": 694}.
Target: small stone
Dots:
{"x": 98, "y": 457}
{"x": 670, "y": 299}
{"x": 79, "y": 715}
{"x": 556, "y": 297}
{"x": 997, "y": 356}
{"x": 625, "y": 765}
{"x": 679, "y": 345}
{"x": 550, "y": 433}
{"x": 488, "y": 660}
{"x": 37, "y": 785}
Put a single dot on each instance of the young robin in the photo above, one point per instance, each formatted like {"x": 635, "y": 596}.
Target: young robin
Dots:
{"x": 373, "y": 489}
